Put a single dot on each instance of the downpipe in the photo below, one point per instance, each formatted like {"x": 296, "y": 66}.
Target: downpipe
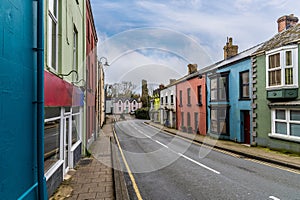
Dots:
{"x": 42, "y": 188}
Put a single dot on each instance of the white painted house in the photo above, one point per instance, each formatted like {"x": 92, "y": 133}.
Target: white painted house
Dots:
{"x": 168, "y": 105}
{"x": 125, "y": 105}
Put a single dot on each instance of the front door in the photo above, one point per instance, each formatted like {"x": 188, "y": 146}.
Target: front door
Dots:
{"x": 67, "y": 142}
{"x": 246, "y": 126}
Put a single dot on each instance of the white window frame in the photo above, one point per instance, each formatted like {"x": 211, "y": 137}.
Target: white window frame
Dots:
{"x": 287, "y": 121}
{"x": 282, "y": 50}
{"x": 52, "y": 17}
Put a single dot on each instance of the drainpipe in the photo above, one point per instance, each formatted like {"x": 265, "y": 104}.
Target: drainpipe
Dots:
{"x": 42, "y": 188}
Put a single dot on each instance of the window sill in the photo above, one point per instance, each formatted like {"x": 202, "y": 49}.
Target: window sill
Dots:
{"x": 180, "y": 105}
{"x": 284, "y": 137}
{"x": 244, "y": 99}
{"x": 282, "y": 87}
{"x": 199, "y": 104}
{"x": 189, "y": 105}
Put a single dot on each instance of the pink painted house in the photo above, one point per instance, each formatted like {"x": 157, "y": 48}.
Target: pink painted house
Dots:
{"x": 191, "y": 102}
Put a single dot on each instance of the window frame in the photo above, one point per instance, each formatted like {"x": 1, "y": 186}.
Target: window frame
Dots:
{"x": 52, "y": 18}
{"x": 75, "y": 53}
{"x": 219, "y": 78}
{"x": 172, "y": 99}
{"x": 287, "y": 121}
{"x": 242, "y": 85}
{"x": 180, "y": 98}
{"x": 188, "y": 95}
{"x": 294, "y": 66}
{"x": 219, "y": 119}
{"x": 199, "y": 95}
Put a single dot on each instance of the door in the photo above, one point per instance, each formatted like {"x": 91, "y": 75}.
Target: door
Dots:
{"x": 246, "y": 126}
{"x": 67, "y": 142}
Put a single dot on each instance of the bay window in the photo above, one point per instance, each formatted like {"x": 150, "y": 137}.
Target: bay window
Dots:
{"x": 282, "y": 67}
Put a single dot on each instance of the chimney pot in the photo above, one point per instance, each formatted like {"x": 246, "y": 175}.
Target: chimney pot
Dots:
{"x": 286, "y": 22}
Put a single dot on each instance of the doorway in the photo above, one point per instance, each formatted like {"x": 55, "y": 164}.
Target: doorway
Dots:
{"x": 245, "y": 126}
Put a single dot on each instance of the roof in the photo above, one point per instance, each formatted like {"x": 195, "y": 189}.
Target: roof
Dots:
{"x": 289, "y": 36}
{"x": 220, "y": 64}
{"x": 223, "y": 63}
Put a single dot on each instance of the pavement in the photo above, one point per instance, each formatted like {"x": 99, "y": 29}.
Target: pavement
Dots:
{"x": 95, "y": 178}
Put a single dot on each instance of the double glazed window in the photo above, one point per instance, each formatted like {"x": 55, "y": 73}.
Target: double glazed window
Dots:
{"x": 219, "y": 87}
{"x": 286, "y": 122}
{"x": 52, "y": 34}
{"x": 282, "y": 67}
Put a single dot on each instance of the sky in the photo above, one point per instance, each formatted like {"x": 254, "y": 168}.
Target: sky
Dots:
{"x": 155, "y": 40}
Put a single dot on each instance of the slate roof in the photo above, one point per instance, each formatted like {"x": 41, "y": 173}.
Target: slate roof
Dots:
{"x": 286, "y": 37}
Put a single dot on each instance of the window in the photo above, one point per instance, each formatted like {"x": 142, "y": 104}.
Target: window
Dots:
{"x": 219, "y": 120}
{"x": 161, "y": 101}
{"x": 52, "y": 142}
{"x": 172, "y": 99}
{"x": 189, "y": 96}
{"x": 282, "y": 67}
{"x": 75, "y": 54}
{"x": 52, "y": 35}
{"x": 180, "y": 98}
{"x": 286, "y": 122}
{"x": 244, "y": 85}
{"x": 196, "y": 118}
{"x": 219, "y": 87}
{"x": 199, "y": 89}
{"x": 188, "y": 119}
{"x": 166, "y": 99}
{"x": 182, "y": 118}
{"x": 120, "y": 102}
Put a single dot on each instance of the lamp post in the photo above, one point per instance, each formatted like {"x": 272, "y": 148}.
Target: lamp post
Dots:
{"x": 101, "y": 63}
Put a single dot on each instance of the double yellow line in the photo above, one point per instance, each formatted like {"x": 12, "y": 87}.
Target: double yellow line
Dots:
{"x": 135, "y": 187}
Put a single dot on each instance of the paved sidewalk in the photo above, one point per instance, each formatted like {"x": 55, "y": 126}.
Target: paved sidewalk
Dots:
{"x": 93, "y": 176}
{"x": 259, "y": 153}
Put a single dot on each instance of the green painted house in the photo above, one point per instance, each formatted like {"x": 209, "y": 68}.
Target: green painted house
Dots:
{"x": 276, "y": 95}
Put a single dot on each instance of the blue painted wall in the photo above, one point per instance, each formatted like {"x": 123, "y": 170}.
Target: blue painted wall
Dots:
{"x": 236, "y": 105}
{"x": 18, "y": 175}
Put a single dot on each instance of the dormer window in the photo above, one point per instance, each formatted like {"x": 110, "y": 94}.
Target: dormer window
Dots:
{"x": 282, "y": 67}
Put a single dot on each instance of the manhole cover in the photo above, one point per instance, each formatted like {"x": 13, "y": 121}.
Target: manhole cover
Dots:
{"x": 85, "y": 161}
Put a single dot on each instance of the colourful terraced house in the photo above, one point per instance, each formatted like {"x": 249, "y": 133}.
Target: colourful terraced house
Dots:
{"x": 229, "y": 112}
{"x": 276, "y": 101}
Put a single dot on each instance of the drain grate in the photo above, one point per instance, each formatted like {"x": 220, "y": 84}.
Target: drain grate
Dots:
{"x": 84, "y": 162}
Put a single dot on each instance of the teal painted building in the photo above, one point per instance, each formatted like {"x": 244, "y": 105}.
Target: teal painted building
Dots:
{"x": 21, "y": 100}
{"x": 276, "y": 100}
{"x": 229, "y": 113}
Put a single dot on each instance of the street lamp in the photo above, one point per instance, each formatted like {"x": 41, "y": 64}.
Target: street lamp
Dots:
{"x": 106, "y": 63}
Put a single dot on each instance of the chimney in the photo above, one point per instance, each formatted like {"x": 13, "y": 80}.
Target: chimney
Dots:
{"x": 172, "y": 81}
{"x": 286, "y": 21}
{"x": 161, "y": 86}
{"x": 229, "y": 49}
{"x": 192, "y": 68}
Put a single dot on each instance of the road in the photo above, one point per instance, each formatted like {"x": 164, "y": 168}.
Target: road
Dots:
{"x": 167, "y": 167}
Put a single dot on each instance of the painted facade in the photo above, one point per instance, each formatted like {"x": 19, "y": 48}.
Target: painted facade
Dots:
{"x": 91, "y": 75}
{"x": 191, "y": 104}
{"x": 276, "y": 103}
{"x": 65, "y": 73}
{"x": 168, "y": 106}
{"x": 125, "y": 105}
{"x": 229, "y": 112}
{"x": 155, "y": 102}
{"x": 21, "y": 100}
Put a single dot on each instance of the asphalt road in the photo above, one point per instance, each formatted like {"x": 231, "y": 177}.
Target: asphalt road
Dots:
{"x": 167, "y": 167}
